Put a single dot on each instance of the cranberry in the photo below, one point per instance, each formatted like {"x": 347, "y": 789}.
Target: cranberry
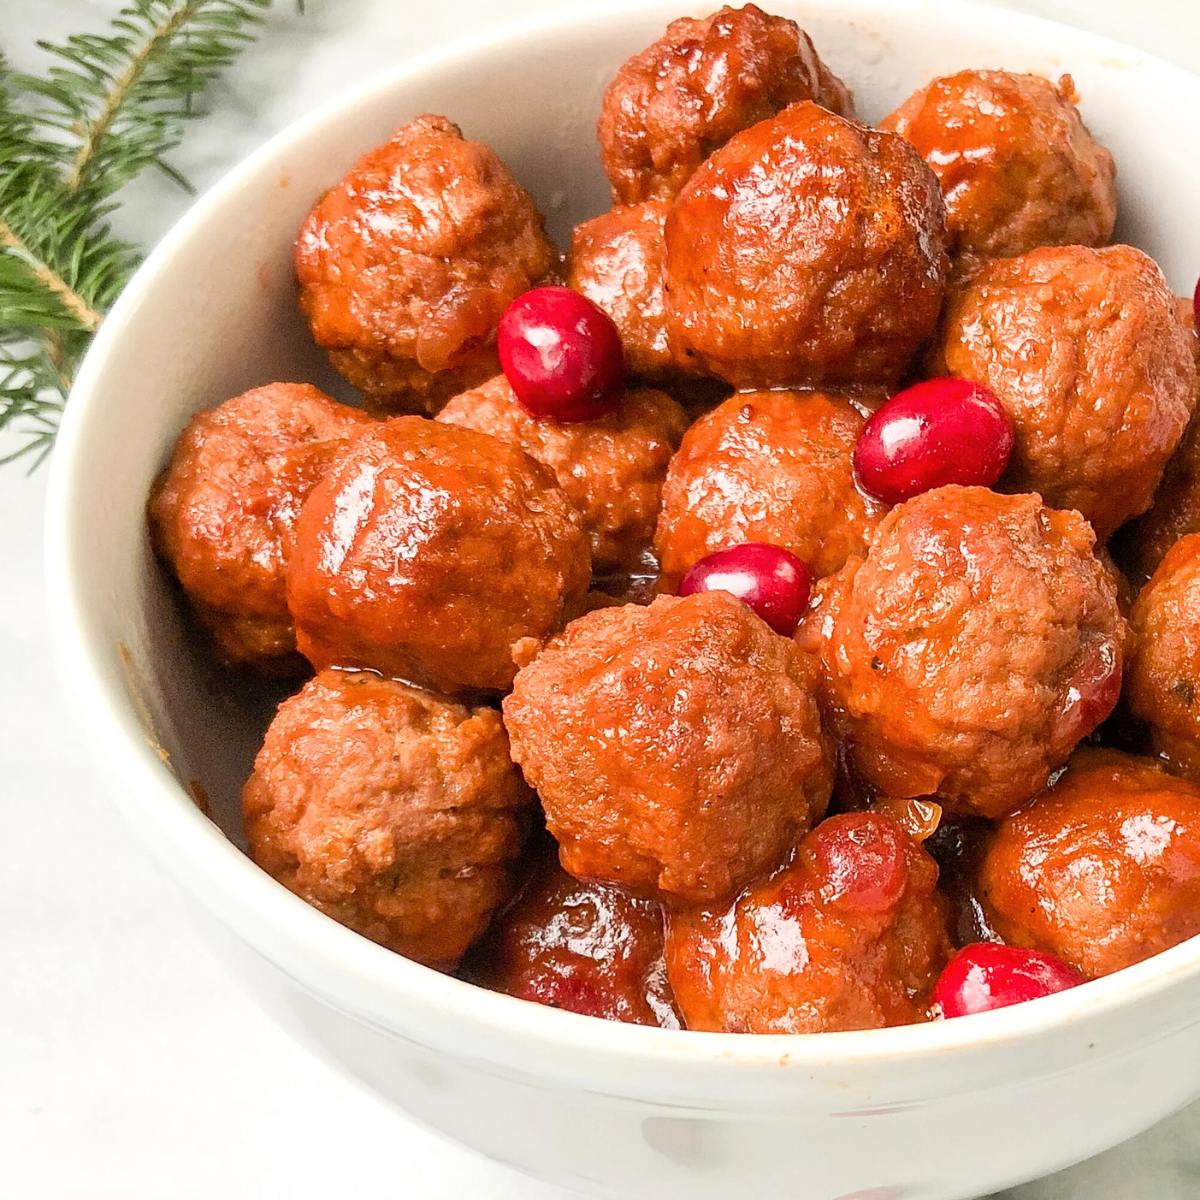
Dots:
{"x": 771, "y": 580}
{"x": 934, "y": 433}
{"x": 1095, "y": 690}
{"x": 1196, "y": 304}
{"x": 862, "y": 861}
{"x": 986, "y": 976}
{"x": 562, "y": 354}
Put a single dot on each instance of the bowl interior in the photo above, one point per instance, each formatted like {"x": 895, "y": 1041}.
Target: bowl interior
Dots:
{"x": 214, "y": 311}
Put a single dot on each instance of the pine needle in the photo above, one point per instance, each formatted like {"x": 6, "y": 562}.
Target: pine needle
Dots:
{"x": 109, "y": 107}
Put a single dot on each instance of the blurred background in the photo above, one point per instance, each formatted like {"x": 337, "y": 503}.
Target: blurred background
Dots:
{"x": 130, "y": 1066}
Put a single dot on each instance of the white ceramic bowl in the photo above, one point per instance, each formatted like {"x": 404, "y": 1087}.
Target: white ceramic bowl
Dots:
{"x": 931, "y": 1111}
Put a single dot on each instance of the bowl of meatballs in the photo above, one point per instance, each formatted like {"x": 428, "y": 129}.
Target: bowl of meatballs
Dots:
{"x": 642, "y": 575}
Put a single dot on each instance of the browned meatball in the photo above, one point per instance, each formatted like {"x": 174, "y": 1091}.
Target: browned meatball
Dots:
{"x": 616, "y": 260}
{"x": 584, "y": 947}
{"x": 396, "y": 812}
{"x": 428, "y": 551}
{"x": 1085, "y": 352}
{"x": 611, "y": 469}
{"x": 407, "y": 264}
{"x": 1176, "y": 507}
{"x": 672, "y": 105}
{"x": 677, "y": 749}
{"x": 767, "y": 467}
{"x": 1018, "y": 167}
{"x": 1163, "y": 683}
{"x": 1103, "y": 868}
{"x": 850, "y": 935}
{"x": 808, "y": 250}
{"x": 973, "y": 647}
{"x": 223, "y": 513}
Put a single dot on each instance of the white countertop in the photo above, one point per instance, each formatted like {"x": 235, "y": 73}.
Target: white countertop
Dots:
{"x": 131, "y": 1067}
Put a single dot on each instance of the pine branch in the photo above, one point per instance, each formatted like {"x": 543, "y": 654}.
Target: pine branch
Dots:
{"x": 31, "y": 399}
{"x": 109, "y": 107}
{"x": 119, "y": 101}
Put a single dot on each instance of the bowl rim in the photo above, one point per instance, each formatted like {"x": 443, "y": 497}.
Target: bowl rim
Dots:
{"x": 261, "y": 911}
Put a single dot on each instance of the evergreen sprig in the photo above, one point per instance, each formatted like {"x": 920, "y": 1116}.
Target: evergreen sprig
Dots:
{"x": 110, "y": 106}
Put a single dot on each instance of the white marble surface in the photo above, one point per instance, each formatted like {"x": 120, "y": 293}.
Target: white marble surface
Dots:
{"x": 130, "y": 1066}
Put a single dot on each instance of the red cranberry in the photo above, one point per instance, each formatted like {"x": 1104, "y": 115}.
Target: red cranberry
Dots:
{"x": 862, "y": 861}
{"x": 771, "y": 580}
{"x": 1196, "y": 304}
{"x": 934, "y": 433}
{"x": 986, "y": 976}
{"x": 562, "y": 354}
{"x": 1095, "y": 690}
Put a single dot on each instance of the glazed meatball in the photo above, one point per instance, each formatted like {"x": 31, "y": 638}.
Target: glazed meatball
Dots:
{"x": 1176, "y": 508}
{"x": 1103, "y": 868}
{"x": 223, "y": 513}
{"x": 584, "y": 947}
{"x": 677, "y": 748}
{"x": 809, "y": 250}
{"x": 970, "y": 650}
{"x": 1017, "y": 166}
{"x": 1085, "y": 352}
{"x": 616, "y": 260}
{"x": 398, "y": 813}
{"x": 1163, "y": 684}
{"x": 672, "y": 105}
{"x": 428, "y": 551}
{"x": 767, "y": 467}
{"x": 407, "y": 264}
{"x": 611, "y": 469}
{"x": 850, "y": 935}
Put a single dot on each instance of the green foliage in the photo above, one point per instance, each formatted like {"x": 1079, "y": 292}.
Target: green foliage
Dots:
{"x": 110, "y": 106}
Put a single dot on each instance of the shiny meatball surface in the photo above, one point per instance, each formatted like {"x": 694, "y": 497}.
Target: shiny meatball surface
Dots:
{"x": 407, "y": 263}
{"x": 670, "y": 106}
{"x": 1176, "y": 508}
{"x": 616, "y": 260}
{"x": 970, "y": 650}
{"x": 1017, "y": 165}
{"x": 767, "y": 467}
{"x": 808, "y": 250}
{"x": 677, "y": 748}
{"x": 1163, "y": 683}
{"x": 428, "y": 551}
{"x": 1103, "y": 868}
{"x": 398, "y": 813}
{"x": 1085, "y": 351}
{"x": 223, "y": 513}
{"x": 582, "y": 947}
{"x": 611, "y": 468}
{"x": 850, "y": 935}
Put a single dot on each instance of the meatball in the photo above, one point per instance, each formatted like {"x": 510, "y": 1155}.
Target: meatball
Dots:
{"x": 1103, "y": 868}
{"x": 611, "y": 469}
{"x": 767, "y": 467}
{"x": 672, "y": 105}
{"x": 407, "y": 264}
{"x": 809, "y": 250}
{"x": 223, "y": 513}
{"x": 677, "y": 748}
{"x": 970, "y": 650}
{"x": 616, "y": 260}
{"x": 1085, "y": 352}
{"x": 850, "y": 935}
{"x": 1163, "y": 684}
{"x": 428, "y": 551}
{"x": 1017, "y": 166}
{"x": 584, "y": 947}
{"x": 398, "y": 813}
{"x": 1176, "y": 507}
